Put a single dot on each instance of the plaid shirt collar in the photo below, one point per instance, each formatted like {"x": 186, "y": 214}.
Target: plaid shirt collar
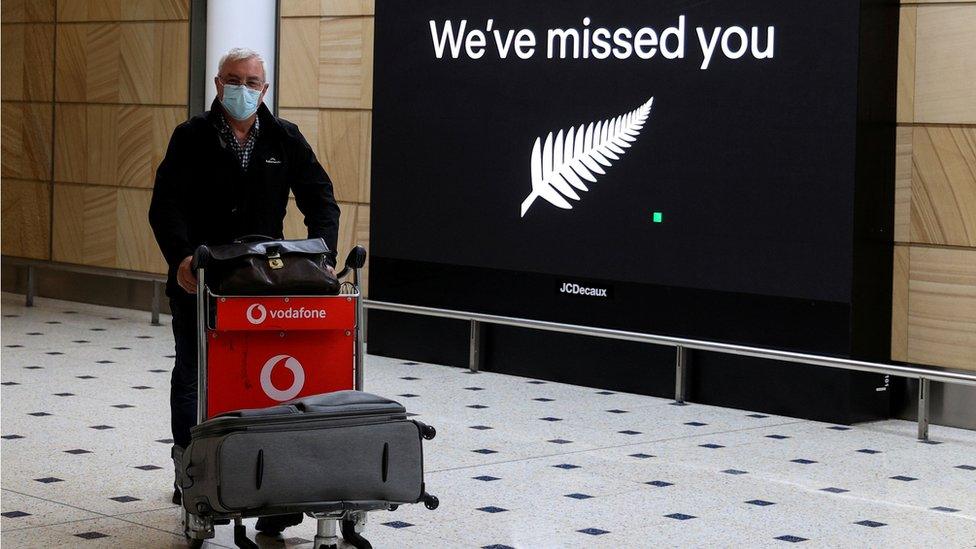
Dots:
{"x": 243, "y": 150}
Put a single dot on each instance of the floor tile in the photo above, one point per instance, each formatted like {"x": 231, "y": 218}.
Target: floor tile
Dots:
{"x": 556, "y": 465}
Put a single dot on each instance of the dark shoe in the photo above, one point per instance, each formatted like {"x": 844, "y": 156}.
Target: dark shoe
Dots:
{"x": 275, "y": 524}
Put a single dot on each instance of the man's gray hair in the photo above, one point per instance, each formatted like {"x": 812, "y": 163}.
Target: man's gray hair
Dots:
{"x": 241, "y": 54}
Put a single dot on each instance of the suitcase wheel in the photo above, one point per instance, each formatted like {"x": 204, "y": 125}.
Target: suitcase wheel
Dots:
{"x": 428, "y": 432}
{"x": 431, "y": 502}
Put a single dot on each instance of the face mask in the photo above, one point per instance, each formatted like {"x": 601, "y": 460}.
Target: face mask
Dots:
{"x": 240, "y": 101}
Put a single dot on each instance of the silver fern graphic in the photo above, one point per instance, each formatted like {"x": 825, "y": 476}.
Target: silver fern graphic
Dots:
{"x": 560, "y": 165}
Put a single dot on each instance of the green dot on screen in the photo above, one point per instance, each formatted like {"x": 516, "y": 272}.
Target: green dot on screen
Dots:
{"x": 658, "y": 217}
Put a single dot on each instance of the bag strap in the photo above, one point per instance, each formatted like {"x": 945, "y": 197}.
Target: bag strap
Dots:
{"x": 252, "y": 238}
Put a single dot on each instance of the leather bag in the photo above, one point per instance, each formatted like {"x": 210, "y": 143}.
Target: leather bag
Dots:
{"x": 260, "y": 265}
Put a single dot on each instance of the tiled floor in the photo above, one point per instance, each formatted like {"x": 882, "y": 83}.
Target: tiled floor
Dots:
{"x": 516, "y": 463}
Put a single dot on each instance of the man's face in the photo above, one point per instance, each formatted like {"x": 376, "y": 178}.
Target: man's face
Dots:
{"x": 247, "y": 72}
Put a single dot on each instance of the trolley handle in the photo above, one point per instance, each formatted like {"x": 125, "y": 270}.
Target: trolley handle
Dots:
{"x": 354, "y": 261}
{"x": 201, "y": 256}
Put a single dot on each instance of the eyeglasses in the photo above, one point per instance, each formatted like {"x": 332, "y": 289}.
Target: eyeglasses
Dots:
{"x": 253, "y": 83}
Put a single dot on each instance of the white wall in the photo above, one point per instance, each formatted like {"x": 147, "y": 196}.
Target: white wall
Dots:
{"x": 244, "y": 24}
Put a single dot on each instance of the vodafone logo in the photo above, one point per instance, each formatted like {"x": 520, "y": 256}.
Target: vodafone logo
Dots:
{"x": 258, "y": 318}
{"x": 291, "y": 363}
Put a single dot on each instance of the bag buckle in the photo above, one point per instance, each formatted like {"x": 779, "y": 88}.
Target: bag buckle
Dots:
{"x": 274, "y": 261}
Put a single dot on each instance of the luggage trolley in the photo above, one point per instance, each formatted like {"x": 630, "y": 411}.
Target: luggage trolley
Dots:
{"x": 260, "y": 351}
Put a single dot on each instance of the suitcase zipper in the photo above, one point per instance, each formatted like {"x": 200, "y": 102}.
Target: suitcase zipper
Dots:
{"x": 248, "y": 424}
{"x": 277, "y": 429}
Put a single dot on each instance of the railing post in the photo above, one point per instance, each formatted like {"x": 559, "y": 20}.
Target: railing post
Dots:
{"x": 29, "y": 300}
{"x": 923, "y": 408}
{"x": 680, "y": 374}
{"x": 474, "y": 348}
{"x": 156, "y": 298}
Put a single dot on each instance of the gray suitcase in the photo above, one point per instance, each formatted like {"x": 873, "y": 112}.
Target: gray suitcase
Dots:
{"x": 334, "y": 452}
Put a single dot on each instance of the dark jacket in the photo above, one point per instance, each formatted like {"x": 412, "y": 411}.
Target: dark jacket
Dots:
{"x": 202, "y": 196}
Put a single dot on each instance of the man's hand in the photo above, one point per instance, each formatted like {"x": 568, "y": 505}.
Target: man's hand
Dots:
{"x": 185, "y": 276}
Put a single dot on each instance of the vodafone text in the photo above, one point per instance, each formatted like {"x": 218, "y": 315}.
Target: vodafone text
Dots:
{"x": 257, "y": 313}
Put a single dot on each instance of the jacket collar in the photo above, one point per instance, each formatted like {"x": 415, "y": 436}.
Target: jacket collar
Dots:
{"x": 269, "y": 122}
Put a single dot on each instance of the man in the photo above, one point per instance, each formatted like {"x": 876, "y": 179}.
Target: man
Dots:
{"x": 227, "y": 173}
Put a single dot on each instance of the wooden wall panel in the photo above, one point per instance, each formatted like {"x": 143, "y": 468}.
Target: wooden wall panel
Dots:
{"x": 117, "y": 74}
{"x": 26, "y": 11}
{"x": 105, "y": 227}
{"x": 123, "y": 10}
{"x": 936, "y": 1}
{"x": 353, "y": 226}
{"x": 935, "y": 188}
{"x": 942, "y": 307}
{"x": 908, "y": 23}
{"x": 306, "y": 8}
{"x": 298, "y": 80}
{"x": 342, "y": 141}
{"x": 145, "y": 63}
{"x": 327, "y": 63}
{"x": 943, "y": 202}
{"x": 345, "y": 141}
{"x": 903, "y": 184}
{"x": 85, "y": 225}
{"x": 361, "y": 236}
{"x": 326, "y": 88}
{"x": 295, "y": 225}
{"x": 945, "y": 64}
{"x": 307, "y": 121}
{"x": 346, "y": 63}
{"x": 26, "y": 141}
{"x": 27, "y": 62}
{"x": 26, "y": 218}
{"x": 112, "y": 144}
{"x": 347, "y": 228}
{"x": 899, "y": 303}
{"x": 136, "y": 249}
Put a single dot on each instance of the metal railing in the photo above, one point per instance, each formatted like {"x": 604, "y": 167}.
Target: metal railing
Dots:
{"x": 925, "y": 375}
{"x": 157, "y": 280}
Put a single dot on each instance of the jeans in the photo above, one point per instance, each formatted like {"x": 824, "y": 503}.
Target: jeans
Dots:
{"x": 183, "y": 384}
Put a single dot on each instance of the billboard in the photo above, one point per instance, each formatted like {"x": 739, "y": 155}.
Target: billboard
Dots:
{"x": 571, "y": 157}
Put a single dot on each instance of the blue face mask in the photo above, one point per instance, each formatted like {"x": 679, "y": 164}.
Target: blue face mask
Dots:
{"x": 240, "y": 101}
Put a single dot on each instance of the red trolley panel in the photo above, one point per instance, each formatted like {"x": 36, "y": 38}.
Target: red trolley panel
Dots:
{"x": 266, "y": 350}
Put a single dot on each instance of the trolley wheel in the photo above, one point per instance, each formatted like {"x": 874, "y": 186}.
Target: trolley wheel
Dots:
{"x": 431, "y": 502}
{"x": 393, "y": 508}
{"x": 193, "y": 543}
{"x": 350, "y": 534}
{"x": 428, "y": 432}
